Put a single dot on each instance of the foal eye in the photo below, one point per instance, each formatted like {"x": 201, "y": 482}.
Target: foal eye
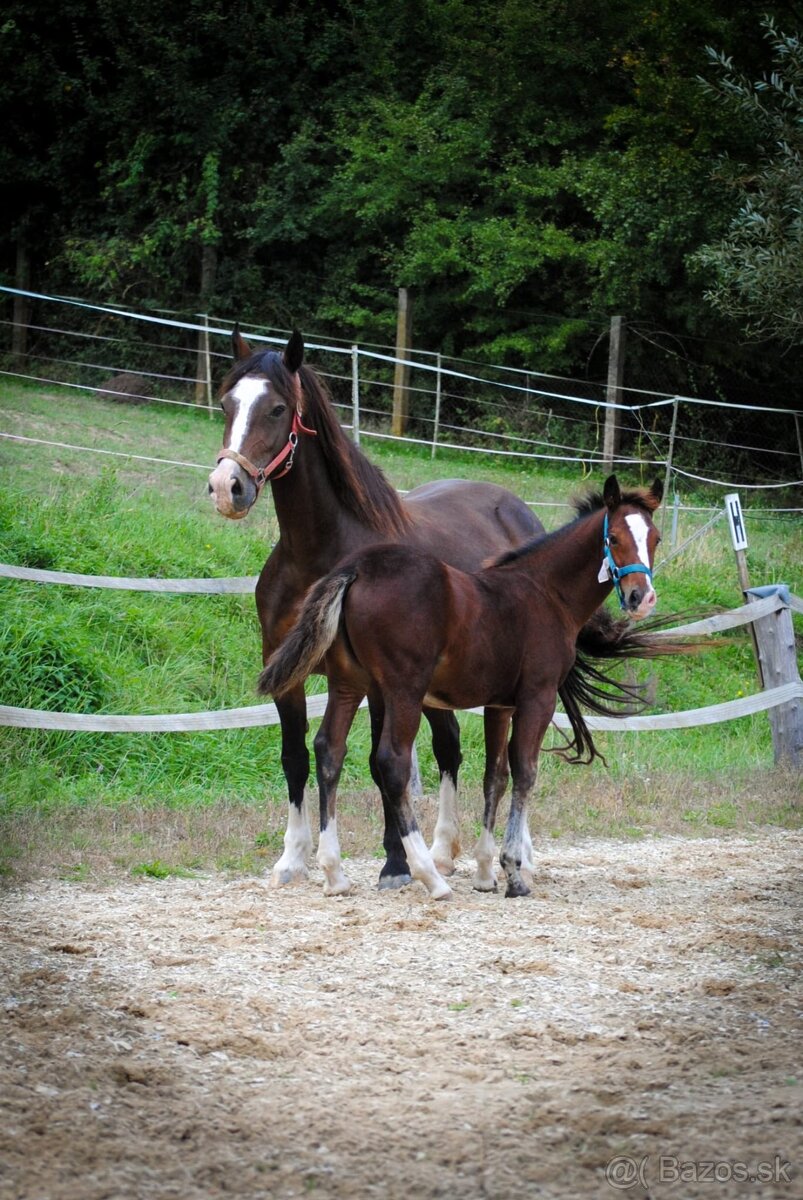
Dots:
{"x": 278, "y": 410}
{"x": 613, "y": 540}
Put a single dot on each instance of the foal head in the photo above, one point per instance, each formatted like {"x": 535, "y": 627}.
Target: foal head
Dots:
{"x": 261, "y": 398}
{"x": 629, "y": 542}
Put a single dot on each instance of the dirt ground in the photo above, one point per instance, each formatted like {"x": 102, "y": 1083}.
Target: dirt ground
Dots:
{"x": 631, "y": 1027}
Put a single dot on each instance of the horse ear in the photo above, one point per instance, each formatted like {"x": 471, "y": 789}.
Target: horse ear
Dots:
{"x": 239, "y": 346}
{"x": 657, "y": 491}
{"x": 611, "y": 494}
{"x": 293, "y": 355}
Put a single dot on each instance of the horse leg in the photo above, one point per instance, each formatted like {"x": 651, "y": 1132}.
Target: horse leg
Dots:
{"x": 393, "y": 760}
{"x": 395, "y": 872}
{"x": 292, "y": 865}
{"x": 530, "y": 724}
{"x": 330, "y": 751}
{"x": 446, "y": 748}
{"x": 496, "y": 723}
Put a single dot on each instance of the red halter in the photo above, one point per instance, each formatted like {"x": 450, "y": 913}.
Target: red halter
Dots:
{"x": 261, "y": 475}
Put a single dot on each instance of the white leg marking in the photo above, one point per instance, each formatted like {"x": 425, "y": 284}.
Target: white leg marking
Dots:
{"x": 336, "y": 883}
{"x": 527, "y": 862}
{"x": 423, "y": 868}
{"x": 297, "y": 846}
{"x": 246, "y": 394}
{"x": 484, "y": 878}
{"x": 446, "y": 840}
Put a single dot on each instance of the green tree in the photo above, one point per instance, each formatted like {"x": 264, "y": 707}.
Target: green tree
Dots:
{"x": 756, "y": 266}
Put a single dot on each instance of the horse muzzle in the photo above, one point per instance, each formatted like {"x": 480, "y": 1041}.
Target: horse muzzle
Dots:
{"x": 233, "y": 491}
{"x": 639, "y": 602}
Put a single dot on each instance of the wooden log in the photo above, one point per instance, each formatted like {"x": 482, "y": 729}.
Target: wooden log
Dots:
{"x": 775, "y": 639}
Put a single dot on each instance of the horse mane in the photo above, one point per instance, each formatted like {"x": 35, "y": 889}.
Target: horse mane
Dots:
{"x": 584, "y": 506}
{"x": 360, "y": 487}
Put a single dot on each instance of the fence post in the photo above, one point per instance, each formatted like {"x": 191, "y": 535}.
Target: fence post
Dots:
{"x": 616, "y": 363}
{"x": 401, "y": 374}
{"x": 203, "y": 375}
{"x": 355, "y": 395}
{"x": 775, "y": 636}
{"x": 437, "y": 403}
{"x": 669, "y": 458}
{"x": 22, "y": 305}
{"x": 733, "y": 508}
{"x": 675, "y": 515}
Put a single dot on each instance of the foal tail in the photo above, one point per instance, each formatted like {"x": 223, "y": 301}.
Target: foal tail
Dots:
{"x": 311, "y": 636}
{"x": 588, "y": 687}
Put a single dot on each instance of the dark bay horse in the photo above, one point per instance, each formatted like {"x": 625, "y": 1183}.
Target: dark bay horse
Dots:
{"x": 282, "y": 429}
{"x": 397, "y": 624}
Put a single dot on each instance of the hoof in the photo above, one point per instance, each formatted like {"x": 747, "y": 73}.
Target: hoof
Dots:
{"x": 284, "y": 876}
{"x": 341, "y": 887}
{"x": 518, "y": 888}
{"x": 389, "y": 883}
{"x": 481, "y": 884}
{"x": 445, "y": 867}
{"x": 441, "y": 893}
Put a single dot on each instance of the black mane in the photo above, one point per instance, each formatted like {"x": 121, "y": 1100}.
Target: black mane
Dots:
{"x": 360, "y": 487}
{"x": 584, "y": 506}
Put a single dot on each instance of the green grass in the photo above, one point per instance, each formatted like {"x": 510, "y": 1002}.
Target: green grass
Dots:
{"x": 87, "y": 650}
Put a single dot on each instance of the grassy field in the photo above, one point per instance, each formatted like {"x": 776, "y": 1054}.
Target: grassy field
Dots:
{"x": 78, "y": 803}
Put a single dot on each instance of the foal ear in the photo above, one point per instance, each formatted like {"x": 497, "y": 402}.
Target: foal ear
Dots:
{"x": 611, "y": 494}
{"x": 657, "y": 491}
{"x": 293, "y": 355}
{"x": 239, "y": 346}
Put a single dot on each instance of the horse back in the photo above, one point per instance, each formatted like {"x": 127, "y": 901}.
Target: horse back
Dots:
{"x": 463, "y": 523}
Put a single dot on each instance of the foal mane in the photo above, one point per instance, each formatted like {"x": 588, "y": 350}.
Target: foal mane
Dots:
{"x": 360, "y": 487}
{"x": 584, "y": 506}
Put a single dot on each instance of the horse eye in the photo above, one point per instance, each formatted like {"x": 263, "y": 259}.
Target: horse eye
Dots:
{"x": 613, "y": 540}
{"x": 278, "y": 410}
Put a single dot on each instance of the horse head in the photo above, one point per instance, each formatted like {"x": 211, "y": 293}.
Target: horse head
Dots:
{"x": 629, "y": 542}
{"x": 261, "y": 398}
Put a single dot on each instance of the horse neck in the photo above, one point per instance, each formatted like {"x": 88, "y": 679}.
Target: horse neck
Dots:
{"x": 569, "y": 567}
{"x": 307, "y": 509}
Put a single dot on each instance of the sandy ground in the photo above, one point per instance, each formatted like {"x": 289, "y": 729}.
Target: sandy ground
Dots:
{"x": 637, "y": 1015}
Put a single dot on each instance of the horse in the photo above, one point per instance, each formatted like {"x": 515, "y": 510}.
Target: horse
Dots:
{"x": 281, "y": 428}
{"x": 411, "y": 631}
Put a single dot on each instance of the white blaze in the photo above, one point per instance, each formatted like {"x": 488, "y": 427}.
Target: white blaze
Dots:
{"x": 245, "y": 394}
{"x": 638, "y": 528}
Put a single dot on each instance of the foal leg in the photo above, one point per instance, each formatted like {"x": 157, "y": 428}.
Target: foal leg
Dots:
{"x": 446, "y": 748}
{"x": 292, "y": 865}
{"x": 330, "y": 751}
{"x": 393, "y": 758}
{"x": 496, "y": 724}
{"x": 529, "y": 727}
{"x": 395, "y": 872}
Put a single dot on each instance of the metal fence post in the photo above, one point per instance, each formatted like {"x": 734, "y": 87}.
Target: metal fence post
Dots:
{"x": 355, "y": 394}
{"x": 437, "y": 403}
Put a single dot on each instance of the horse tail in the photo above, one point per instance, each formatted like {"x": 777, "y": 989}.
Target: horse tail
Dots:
{"x": 311, "y": 636}
{"x": 588, "y": 687}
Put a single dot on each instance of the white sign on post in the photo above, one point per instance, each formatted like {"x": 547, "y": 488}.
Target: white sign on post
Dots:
{"x": 733, "y": 508}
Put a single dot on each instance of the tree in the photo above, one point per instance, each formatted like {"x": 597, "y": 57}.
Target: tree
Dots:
{"x": 756, "y": 266}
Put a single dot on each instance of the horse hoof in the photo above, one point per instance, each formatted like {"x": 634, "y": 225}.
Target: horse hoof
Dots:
{"x": 480, "y": 884}
{"x": 516, "y": 889}
{"x": 340, "y": 887}
{"x": 445, "y": 867}
{"x": 441, "y": 893}
{"x": 388, "y": 883}
{"x": 284, "y": 876}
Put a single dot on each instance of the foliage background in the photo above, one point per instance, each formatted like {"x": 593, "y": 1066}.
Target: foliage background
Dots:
{"x": 529, "y": 167}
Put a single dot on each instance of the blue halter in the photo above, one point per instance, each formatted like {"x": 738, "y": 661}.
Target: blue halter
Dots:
{"x": 617, "y": 573}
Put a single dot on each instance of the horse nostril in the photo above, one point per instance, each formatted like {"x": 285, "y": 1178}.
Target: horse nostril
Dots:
{"x": 209, "y": 488}
{"x": 236, "y": 487}
{"x": 635, "y": 598}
